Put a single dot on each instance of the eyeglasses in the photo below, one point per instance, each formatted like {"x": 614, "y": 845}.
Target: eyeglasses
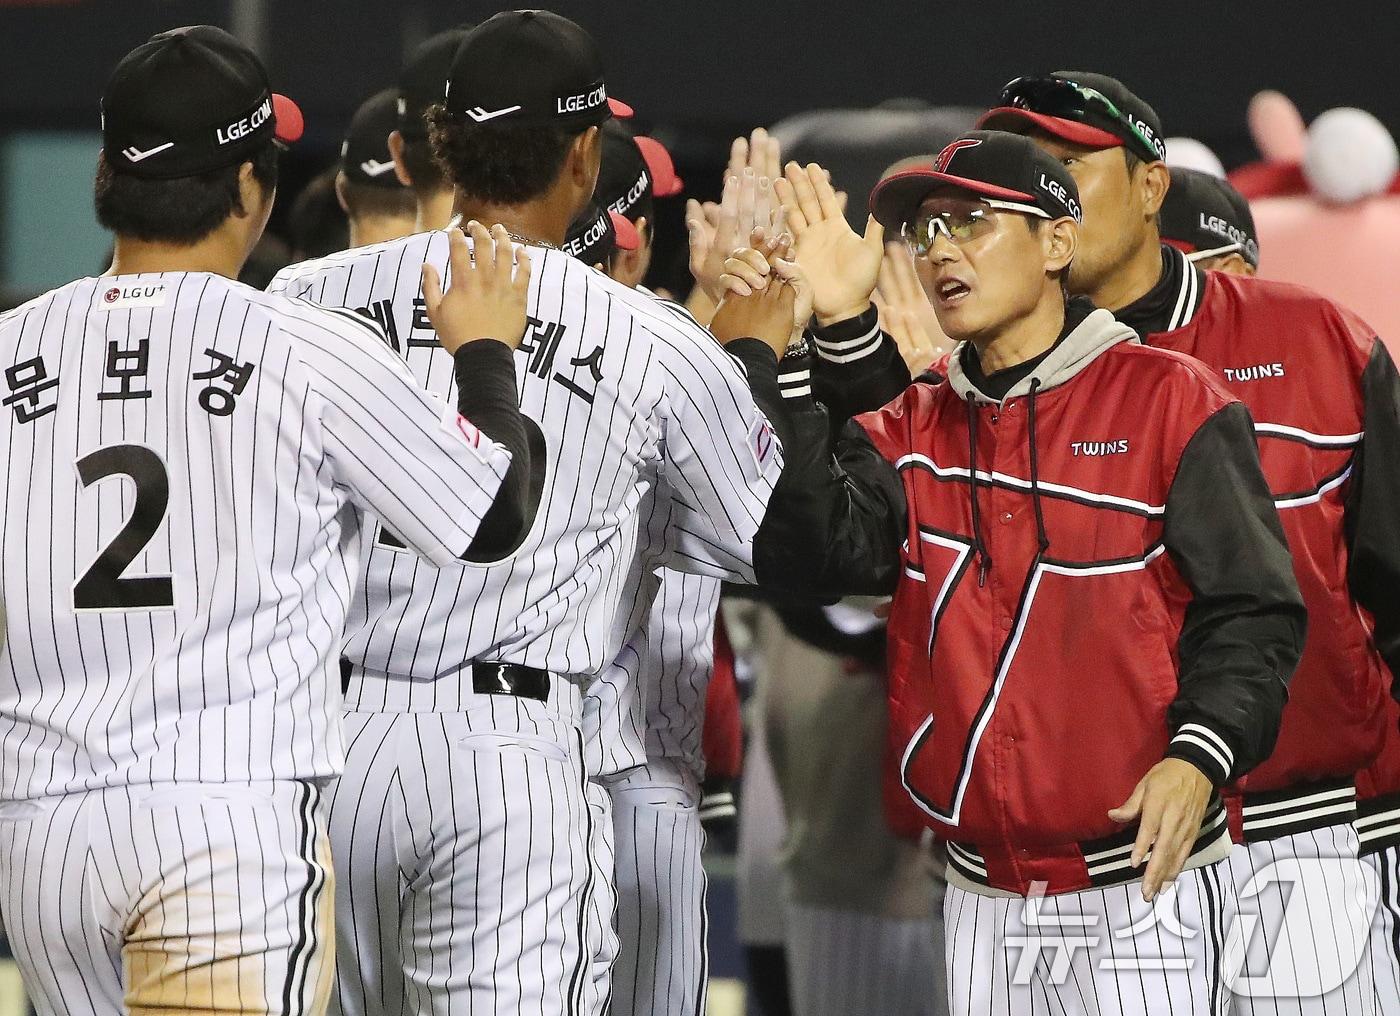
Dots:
{"x": 1073, "y": 101}
{"x": 960, "y": 221}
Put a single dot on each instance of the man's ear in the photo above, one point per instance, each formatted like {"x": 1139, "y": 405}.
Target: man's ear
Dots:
{"x": 1061, "y": 239}
{"x": 396, "y": 147}
{"x": 251, "y": 194}
{"x": 1153, "y": 181}
{"x": 628, "y": 267}
{"x": 340, "y": 182}
{"x": 585, "y": 158}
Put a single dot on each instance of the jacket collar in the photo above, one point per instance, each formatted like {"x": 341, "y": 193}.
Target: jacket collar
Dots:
{"x": 1172, "y": 302}
{"x": 1097, "y": 333}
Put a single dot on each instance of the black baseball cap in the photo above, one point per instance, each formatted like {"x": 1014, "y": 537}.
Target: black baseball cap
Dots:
{"x": 189, "y": 101}
{"x": 423, "y": 80}
{"x": 533, "y": 68}
{"x": 1003, "y": 168}
{"x": 624, "y": 179}
{"x": 1206, "y": 217}
{"x": 364, "y": 155}
{"x": 598, "y": 233}
{"x": 1082, "y": 107}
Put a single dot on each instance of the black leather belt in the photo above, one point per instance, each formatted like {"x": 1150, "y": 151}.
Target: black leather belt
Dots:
{"x": 510, "y": 679}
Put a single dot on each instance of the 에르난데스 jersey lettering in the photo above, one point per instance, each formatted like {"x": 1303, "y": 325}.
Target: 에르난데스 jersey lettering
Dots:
{"x": 622, "y": 396}
{"x": 186, "y": 465}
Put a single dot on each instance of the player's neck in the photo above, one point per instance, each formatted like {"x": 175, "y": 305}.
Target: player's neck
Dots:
{"x": 217, "y": 254}
{"x": 434, "y": 210}
{"x": 540, "y": 220}
{"x": 377, "y": 229}
{"x": 1024, "y": 338}
{"x": 1134, "y": 280}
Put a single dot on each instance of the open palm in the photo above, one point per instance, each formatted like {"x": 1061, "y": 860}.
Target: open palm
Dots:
{"x": 841, "y": 265}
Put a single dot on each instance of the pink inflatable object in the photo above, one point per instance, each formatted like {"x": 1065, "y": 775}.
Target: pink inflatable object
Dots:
{"x": 1348, "y": 252}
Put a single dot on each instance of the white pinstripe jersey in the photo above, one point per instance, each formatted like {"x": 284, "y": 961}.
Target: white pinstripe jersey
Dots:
{"x": 625, "y": 395}
{"x": 186, "y": 464}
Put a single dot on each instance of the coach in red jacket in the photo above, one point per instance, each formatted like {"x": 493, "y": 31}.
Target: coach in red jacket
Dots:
{"x": 1095, "y": 616}
{"x": 1326, "y": 403}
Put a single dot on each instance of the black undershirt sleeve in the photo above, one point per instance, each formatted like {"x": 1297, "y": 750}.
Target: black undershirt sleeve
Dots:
{"x": 486, "y": 395}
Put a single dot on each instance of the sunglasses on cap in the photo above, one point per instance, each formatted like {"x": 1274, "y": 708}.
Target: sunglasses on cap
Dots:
{"x": 1069, "y": 100}
{"x": 960, "y": 220}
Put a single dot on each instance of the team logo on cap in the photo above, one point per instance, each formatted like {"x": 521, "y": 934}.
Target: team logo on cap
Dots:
{"x": 134, "y": 154}
{"x": 481, "y": 115}
{"x": 940, "y": 164}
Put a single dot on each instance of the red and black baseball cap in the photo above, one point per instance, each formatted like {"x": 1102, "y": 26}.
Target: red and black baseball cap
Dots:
{"x": 1206, "y": 217}
{"x": 364, "y": 155}
{"x": 423, "y": 79}
{"x": 189, "y": 101}
{"x": 624, "y": 179}
{"x": 665, "y": 181}
{"x": 1088, "y": 109}
{"x": 1002, "y": 168}
{"x": 532, "y": 68}
{"x": 598, "y": 233}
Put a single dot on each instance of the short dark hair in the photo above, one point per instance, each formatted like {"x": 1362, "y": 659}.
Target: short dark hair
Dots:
{"x": 180, "y": 211}
{"x": 366, "y": 199}
{"x": 316, "y": 224}
{"x": 1132, "y": 159}
{"x": 496, "y": 163}
{"x": 422, "y": 166}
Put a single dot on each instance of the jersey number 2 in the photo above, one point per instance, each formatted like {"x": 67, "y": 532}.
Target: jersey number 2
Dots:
{"x": 102, "y": 586}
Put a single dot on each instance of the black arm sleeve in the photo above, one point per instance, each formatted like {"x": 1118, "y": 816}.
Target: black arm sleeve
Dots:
{"x": 1245, "y": 623}
{"x": 857, "y": 367}
{"x": 1372, "y": 520}
{"x": 486, "y": 396}
{"x": 837, "y": 515}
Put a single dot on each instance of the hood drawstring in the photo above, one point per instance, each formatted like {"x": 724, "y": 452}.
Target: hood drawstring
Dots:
{"x": 979, "y": 545}
{"x": 1042, "y": 537}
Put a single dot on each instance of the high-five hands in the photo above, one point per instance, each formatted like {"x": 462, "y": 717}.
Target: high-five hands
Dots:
{"x": 760, "y": 283}
{"x": 842, "y": 265}
{"x": 486, "y": 299}
{"x": 905, "y": 311}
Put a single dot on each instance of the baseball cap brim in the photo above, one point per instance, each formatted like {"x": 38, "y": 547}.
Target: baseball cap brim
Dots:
{"x": 665, "y": 182}
{"x": 290, "y": 124}
{"x": 895, "y": 198}
{"x": 1068, "y": 130}
{"x": 627, "y": 237}
{"x": 620, "y": 109}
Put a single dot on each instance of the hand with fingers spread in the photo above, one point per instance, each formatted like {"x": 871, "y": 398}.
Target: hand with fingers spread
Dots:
{"x": 759, "y": 152}
{"x": 842, "y": 265}
{"x": 490, "y": 280}
{"x": 1168, "y": 805}
{"x": 717, "y": 231}
{"x": 905, "y": 311}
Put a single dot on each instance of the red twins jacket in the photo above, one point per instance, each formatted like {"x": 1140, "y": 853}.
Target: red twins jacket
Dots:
{"x": 1088, "y": 576}
{"x": 1322, "y": 390}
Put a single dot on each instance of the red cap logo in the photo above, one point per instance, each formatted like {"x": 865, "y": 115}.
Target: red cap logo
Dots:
{"x": 940, "y": 164}
{"x": 111, "y": 295}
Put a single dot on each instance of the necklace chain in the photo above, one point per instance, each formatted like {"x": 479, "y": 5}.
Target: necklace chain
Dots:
{"x": 458, "y": 224}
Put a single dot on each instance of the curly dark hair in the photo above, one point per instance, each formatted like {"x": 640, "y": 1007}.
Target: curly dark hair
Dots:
{"x": 180, "y": 211}
{"x": 497, "y": 163}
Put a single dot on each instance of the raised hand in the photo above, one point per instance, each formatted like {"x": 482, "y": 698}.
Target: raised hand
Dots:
{"x": 759, "y": 152}
{"x": 716, "y": 231}
{"x": 841, "y": 265}
{"x": 487, "y": 298}
{"x": 765, "y": 313}
{"x": 905, "y": 311}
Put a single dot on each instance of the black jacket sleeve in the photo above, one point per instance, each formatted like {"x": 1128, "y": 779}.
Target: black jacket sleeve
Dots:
{"x": 1372, "y": 520}
{"x": 857, "y": 367}
{"x": 486, "y": 395}
{"x": 837, "y": 515}
{"x": 1244, "y": 626}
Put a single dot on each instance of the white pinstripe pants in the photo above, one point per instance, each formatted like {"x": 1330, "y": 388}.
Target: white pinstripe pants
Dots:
{"x": 662, "y": 967}
{"x": 1100, "y": 952}
{"x": 188, "y": 897}
{"x": 1385, "y": 930}
{"x": 602, "y": 924}
{"x": 1307, "y": 927}
{"x": 845, "y": 963}
{"x": 462, "y": 842}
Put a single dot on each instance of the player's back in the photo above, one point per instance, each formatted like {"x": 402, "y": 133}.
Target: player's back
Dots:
{"x": 619, "y": 392}
{"x": 175, "y": 527}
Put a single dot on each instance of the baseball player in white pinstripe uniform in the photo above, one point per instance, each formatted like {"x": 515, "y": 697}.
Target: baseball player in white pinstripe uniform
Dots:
{"x": 187, "y": 462}
{"x": 643, "y": 717}
{"x": 462, "y": 827}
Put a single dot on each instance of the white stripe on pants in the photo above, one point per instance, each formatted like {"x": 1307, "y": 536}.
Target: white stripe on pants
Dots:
{"x": 845, "y": 963}
{"x": 462, "y": 842}
{"x": 180, "y": 897}
{"x": 662, "y": 963}
{"x": 1100, "y": 952}
{"x": 1303, "y": 923}
{"x": 1385, "y": 930}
